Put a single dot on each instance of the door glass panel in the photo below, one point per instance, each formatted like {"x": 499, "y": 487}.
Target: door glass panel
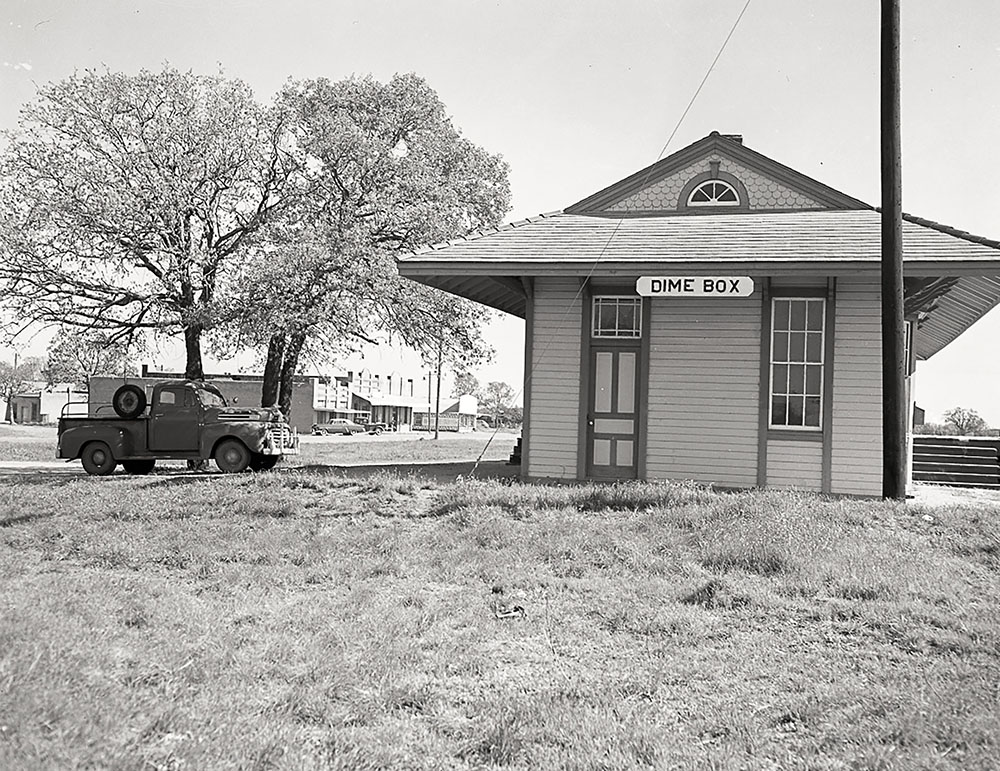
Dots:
{"x": 602, "y": 382}
{"x": 602, "y": 452}
{"x": 626, "y": 382}
{"x": 612, "y": 426}
{"x": 623, "y": 453}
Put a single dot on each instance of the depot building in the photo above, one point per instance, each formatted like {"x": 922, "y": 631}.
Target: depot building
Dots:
{"x": 714, "y": 317}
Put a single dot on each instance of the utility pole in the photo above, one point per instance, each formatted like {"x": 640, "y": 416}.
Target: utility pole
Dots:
{"x": 893, "y": 334}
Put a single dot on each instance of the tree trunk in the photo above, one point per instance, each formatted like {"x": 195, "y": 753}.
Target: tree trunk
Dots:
{"x": 292, "y": 350}
{"x": 272, "y": 370}
{"x": 192, "y": 344}
{"x": 437, "y": 406}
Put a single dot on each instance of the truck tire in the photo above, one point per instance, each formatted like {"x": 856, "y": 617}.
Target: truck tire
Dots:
{"x": 261, "y": 462}
{"x": 97, "y": 459}
{"x": 232, "y": 456}
{"x": 129, "y": 401}
{"x": 142, "y": 466}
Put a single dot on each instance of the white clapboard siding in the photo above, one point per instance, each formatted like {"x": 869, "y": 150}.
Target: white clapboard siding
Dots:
{"x": 704, "y": 382}
{"x": 795, "y": 464}
{"x": 856, "y": 451}
{"x": 555, "y": 379}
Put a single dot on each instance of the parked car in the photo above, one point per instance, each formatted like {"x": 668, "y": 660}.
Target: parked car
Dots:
{"x": 375, "y": 428}
{"x": 338, "y": 426}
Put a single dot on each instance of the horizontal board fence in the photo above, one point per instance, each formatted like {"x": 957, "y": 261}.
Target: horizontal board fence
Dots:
{"x": 957, "y": 461}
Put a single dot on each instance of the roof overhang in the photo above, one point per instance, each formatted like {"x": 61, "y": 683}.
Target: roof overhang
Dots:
{"x": 496, "y": 268}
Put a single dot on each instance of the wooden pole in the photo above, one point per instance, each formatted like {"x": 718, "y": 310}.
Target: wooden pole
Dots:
{"x": 893, "y": 335}
{"x": 437, "y": 406}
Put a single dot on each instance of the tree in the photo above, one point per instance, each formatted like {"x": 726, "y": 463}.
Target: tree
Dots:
{"x": 495, "y": 399}
{"x": 465, "y": 383}
{"x": 382, "y": 170}
{"x": 15, "y": 378}
{"x": 74, "y": 356}
{"x": 124, "y": 200}
{"x": 966, "y": 422}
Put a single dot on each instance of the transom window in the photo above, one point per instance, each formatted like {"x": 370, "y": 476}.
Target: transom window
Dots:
{"x": 797, "y": 349}
{"x": 617, "y": 317}
{"x": 714, "y": 193}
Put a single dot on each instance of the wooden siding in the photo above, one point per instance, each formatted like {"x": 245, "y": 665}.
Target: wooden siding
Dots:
{"x": 704, "y": 376}
{"x": 856, "y": 445}
{"x": 795, "y": 464}
{"x": 555, "y": 379}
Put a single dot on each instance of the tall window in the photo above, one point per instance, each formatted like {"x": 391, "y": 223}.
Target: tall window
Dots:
{"x": 617, "y": 317}
{"x": 797, "y": 345}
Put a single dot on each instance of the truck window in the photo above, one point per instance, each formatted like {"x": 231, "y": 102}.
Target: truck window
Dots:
{"x": 212, "y": 398}
{"x": 168, "y": 397}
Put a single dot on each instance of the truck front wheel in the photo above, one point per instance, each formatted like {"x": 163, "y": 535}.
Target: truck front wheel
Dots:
{"x": 97, "y": 459}
{"x": 142, "y": 466}
{"x": 232, "y": 456}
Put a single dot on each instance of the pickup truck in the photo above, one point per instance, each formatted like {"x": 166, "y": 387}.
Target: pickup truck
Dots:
{"x": 186, "y": 420}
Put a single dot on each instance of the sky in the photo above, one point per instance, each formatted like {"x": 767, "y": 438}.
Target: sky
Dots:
{"x": 577, "y": 95}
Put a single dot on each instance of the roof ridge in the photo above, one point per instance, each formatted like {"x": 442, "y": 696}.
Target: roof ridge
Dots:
{"x": 475, "y": 235}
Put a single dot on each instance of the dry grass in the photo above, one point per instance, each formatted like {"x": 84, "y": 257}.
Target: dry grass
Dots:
{"x": 310, "y": 620}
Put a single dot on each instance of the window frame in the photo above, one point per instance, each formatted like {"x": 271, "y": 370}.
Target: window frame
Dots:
{"x": 691, "y": 203}
{"x": 804, "y": 428}
{"x": 595, "y": 332}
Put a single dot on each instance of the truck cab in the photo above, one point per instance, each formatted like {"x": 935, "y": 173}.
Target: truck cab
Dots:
{"x": 186, "y": 420}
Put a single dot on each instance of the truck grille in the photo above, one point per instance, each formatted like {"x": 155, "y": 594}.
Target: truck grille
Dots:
{"x": 282, "y": 438}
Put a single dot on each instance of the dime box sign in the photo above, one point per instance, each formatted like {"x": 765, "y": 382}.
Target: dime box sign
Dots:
{"x": 694, "y": 286}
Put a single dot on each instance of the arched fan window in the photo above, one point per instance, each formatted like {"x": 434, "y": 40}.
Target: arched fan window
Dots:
{"x": 714, "y": 193}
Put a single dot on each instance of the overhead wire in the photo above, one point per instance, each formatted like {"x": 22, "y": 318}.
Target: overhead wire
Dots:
{"x": 618, "y": 224}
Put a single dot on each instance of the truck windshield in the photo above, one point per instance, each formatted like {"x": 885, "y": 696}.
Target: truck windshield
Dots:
{"x": 212, "y": 398}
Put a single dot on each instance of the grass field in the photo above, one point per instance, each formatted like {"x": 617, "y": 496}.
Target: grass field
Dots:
{"x": 38, "y": 443}
{"x": 305, "y": 619}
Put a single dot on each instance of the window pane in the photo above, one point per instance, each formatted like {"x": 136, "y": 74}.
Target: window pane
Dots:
{"x": 780, "y": 352}
{"x": 814, "y": 347}
{"x": 797, "y": 346}
{"x": 168, "y": 397}
{"x": 779, "y": 410}
{"x": 815, "y": 319}
{"x": 812, "y": 411}
{"x": 781, "y": 314}
{"x": 795, "y": 410}
{"x": 814, "y": 378}
{"x": 626, "y": 317}
{"x": 609, "y": 317}
{"x": 796, "y": 378}
{"x": 779, "y": 379}
{"x": 798, "y": 315}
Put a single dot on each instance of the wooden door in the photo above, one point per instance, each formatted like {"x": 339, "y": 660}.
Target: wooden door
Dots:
{"x": 613, "y": 419}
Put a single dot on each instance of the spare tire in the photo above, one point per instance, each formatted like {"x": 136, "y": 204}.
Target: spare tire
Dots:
{"x": 129, "y": 401}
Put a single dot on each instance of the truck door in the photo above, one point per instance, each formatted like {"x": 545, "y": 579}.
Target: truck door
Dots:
{"x": 174, "y": 420}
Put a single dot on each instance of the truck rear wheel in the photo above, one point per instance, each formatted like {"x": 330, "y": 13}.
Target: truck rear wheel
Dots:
{"x": 129, "y": 401}
{"x": 232, "y": 456}
{"x": 261, "y": 462}
{"x": 97, "y": 459}
{"x": 142, "y": 466}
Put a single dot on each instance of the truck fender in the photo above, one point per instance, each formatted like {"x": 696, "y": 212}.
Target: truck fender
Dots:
{"x": 73, "y": 440}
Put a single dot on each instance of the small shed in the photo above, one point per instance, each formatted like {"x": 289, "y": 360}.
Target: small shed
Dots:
{"x": 713, "y": 317}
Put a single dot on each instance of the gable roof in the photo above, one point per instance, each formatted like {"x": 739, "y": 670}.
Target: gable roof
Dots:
{"x": 782, "y": 188}
{"x": 834, "y": 235}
